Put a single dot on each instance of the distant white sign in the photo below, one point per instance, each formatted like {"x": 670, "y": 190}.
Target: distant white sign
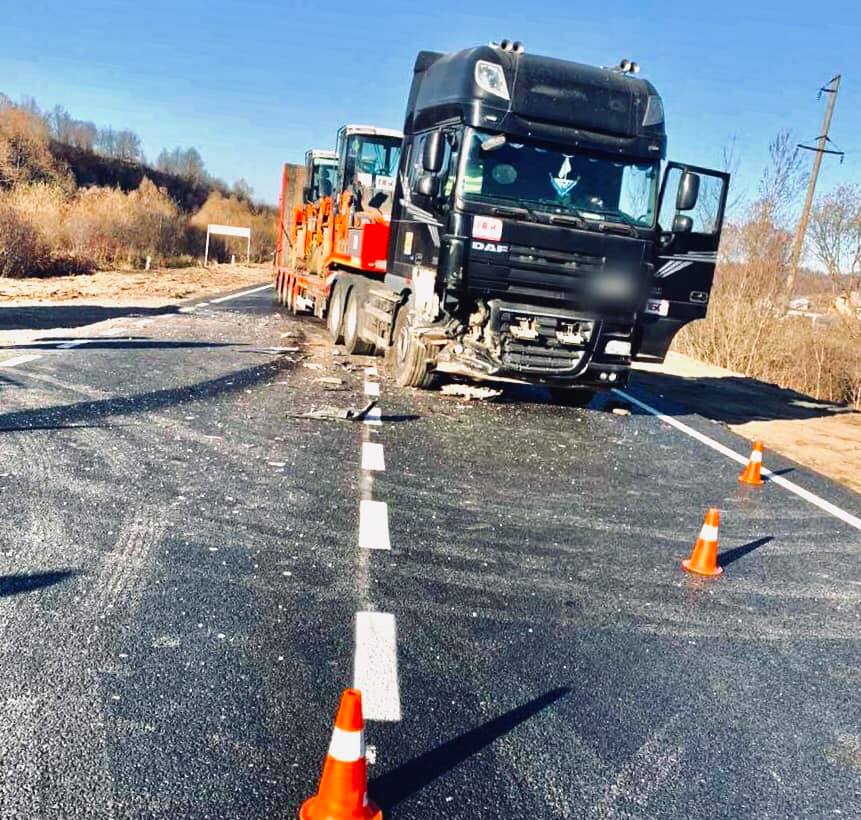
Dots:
{"x": 227, "y": 230}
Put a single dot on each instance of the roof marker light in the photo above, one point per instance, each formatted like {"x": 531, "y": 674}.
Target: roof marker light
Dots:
{"x": 491, "y": 78}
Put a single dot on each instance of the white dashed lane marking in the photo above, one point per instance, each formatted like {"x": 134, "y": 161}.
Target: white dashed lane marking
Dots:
{"x": 373, "y": 457}
{"x": 374, "y": 525}
{"x": 375, "y": 666}
{"x": 827, "y": 506}
{"x": 372, "y": 389}
{"x": 371, "y": 372}
{"x": 14, "y": 362}
{"x": 75, "y": 343}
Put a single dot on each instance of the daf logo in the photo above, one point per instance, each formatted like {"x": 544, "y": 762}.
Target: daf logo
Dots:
{"x": 489, "y": 247}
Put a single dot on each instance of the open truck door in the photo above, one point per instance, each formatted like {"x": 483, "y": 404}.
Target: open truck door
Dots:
{"x": 690, "y": 217}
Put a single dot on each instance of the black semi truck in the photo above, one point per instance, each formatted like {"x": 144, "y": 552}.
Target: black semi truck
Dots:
{"x": 533, "y": 236}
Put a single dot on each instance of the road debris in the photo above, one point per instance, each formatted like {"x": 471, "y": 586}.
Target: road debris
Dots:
{"x": 470, "y": 392}
{"x": 332, "y": 383}
{"x": 328, "y": 413}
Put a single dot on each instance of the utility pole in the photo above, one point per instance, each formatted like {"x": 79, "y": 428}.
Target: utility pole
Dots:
{"x": 818, "y": 152}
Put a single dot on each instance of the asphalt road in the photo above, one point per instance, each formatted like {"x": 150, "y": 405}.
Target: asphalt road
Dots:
{"x": 181, "y": 582}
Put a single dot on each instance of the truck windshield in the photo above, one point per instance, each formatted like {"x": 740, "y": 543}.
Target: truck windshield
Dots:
{"x": 592, "y": 186}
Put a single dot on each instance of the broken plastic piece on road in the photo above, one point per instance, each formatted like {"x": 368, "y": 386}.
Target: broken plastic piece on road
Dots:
{"x": 328, "y": 413}
{"x": 470, "y": 391}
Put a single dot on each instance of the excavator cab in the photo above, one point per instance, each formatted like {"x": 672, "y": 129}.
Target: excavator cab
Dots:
{"x": 321, "y": 168}
{"x": 367, "y": 167}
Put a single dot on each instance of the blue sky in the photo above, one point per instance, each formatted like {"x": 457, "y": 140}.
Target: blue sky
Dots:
{"x": 254, "y": 83}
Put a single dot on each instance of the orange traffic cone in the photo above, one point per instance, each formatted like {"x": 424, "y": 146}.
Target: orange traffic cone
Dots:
{"x": 703, "y": 560}
{"x": 343, "y": 791}
{"x": 751, "y": 473}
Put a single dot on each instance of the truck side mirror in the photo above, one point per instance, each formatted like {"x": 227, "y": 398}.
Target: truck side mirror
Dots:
{"x": 427, "y": 185}
{"x": 306, "y": 194}
{"x": 433, "y": 152}
{"x": 689, "y": 191}
{"x": 682, "y": 224}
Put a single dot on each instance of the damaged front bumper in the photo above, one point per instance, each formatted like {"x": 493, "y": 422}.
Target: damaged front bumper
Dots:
{"x": 524, "y": 345}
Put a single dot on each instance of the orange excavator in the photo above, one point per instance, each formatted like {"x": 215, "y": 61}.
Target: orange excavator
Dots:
{"x": 341, "y": 230}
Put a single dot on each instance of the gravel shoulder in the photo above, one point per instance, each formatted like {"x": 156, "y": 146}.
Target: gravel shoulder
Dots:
{"x": 155, "y": 288}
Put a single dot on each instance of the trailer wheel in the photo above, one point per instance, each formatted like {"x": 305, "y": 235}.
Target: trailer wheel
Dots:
{"x": 352, "y": 340}
{"x": 571, "y": 396}
{"x": 408, "y": 355}
{"x": 335, "y": 313}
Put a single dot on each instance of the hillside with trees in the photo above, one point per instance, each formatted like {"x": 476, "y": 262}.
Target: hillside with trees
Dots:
{"x": 75, "y": 197}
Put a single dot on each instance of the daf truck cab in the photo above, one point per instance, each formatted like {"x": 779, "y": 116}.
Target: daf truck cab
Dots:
{"x": 537, "y": 234}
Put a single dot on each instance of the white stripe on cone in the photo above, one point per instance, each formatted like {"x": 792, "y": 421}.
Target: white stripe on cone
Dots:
{"x": 709, "y": 532}
{"x": 756, "y": 457}
{"x": 348, "y": 747}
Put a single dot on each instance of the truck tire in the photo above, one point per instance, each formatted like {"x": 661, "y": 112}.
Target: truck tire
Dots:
{"x": 335, "y": 314}
{"x": 571, "y": 396}
{"x": 351, "y": 326}
{"x": 407, "y": 355}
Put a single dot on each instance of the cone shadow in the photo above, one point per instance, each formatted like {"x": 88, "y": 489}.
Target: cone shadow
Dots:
{"x": 28, "y": 582}
{"x": 728, "y": 557}
{"x": 397, "y": 785}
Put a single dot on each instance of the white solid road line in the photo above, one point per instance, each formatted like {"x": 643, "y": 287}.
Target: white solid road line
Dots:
{"x": 372, "y": 389}
{"x": 187, "y": 309}
{"x": 827, "y": 506}
{"x": 238, "y": 295}
{"x": 115, "y": 331}
{"x": 14, "y": 362}
{"x": 372, "y": 456}
{"x": 374, "y": 525}
{"x": 375, "y": 666}
{"x": 374, "y": 416}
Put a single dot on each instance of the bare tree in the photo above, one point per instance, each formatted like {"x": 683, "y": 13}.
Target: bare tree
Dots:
{"x": 835, "y": 235}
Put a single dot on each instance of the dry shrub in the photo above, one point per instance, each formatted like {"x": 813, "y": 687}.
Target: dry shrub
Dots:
{"x": 25, "y": 152}
{"x": 112, "y": 228}
{"x": 22, "y": 251}
{"x": 224, "y": 210}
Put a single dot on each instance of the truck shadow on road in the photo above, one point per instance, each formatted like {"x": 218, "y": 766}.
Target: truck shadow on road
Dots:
{"x": 29, "y": 582}
{"x": 45, "y": 317}
{"x": 397, "y": 785}
{"x": 731, "y": 399}
{"x": 90, "y": 411}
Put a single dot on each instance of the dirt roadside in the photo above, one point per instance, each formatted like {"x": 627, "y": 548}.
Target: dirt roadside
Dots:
{"x": 155, "y": 288}
{"x": 823, "y": 436}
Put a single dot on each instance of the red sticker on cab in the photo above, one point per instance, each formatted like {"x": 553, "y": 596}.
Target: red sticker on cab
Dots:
{"x": 487, "y": 227}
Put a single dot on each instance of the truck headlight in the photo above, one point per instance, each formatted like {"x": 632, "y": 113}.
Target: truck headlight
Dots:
{"x": 491, "y": 78}
{"x": 617, "y": 347}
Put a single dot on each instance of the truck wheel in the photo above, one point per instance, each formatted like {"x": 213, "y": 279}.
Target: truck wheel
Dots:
{"x": 352, "y": 341}
{"x": 334, "y": 316}
{"x": 571, "y": 396}
{"x": 408, "y": 355}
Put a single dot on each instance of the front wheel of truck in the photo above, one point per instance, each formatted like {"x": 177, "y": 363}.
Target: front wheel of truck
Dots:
{"x": 571, "y": 396}
{"x": 408, "y": 355}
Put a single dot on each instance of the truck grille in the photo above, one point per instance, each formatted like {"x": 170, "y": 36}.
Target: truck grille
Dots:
{"x": 545, "y": 352}
{"x": 536, "y": 273}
